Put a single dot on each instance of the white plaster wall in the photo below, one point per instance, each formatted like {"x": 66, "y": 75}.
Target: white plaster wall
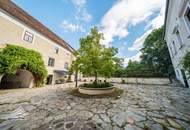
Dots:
{"x": 175, "y": 18}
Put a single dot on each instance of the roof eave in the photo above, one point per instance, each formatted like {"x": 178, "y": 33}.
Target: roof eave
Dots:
{"x": 166, "y": 16}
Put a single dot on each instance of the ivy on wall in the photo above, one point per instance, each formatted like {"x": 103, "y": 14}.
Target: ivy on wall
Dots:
{"x": 14, "y": 57}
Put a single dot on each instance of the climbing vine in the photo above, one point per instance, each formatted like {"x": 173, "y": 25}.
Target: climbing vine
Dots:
{"x": 14, "y": 57}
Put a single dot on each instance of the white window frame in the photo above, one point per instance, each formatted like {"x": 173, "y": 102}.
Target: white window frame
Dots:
{"x": 174, "y": 48}
{"x": 179, "y": 38}
{"x": 51, "y": 65}
{"x": 30, "y": 33}
{"x": 187, "y": 25}
{"x": 171, "y": 51}
{"x": 66, "y": 67}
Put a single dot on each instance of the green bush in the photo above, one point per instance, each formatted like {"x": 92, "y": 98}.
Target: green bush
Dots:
{"x": 186, "y": 62}
{"x": 14, "y": 57}
{"x": 96, "y": 85}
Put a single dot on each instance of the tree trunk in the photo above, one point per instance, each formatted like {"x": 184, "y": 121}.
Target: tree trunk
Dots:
{"x": 76, "y": 78}
{"x": 96, "y": 78}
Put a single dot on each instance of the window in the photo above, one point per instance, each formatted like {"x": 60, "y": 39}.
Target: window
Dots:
{"x": 56, "y": 50}
{"x": 174, "y": 47}
{"x": 171, "y": 51}
{"x": 179, "y": 38}
{"x": 66, "y": 65}
{"x": 187, "y": 14}
{"x": 51, "y": 62}
{"x": 28, "y": 37}
{"x": 178, "y": 74}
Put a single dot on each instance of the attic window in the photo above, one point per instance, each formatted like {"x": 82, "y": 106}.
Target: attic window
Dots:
{"x": 56, "y": 50}
{"x": 28, "y": 37}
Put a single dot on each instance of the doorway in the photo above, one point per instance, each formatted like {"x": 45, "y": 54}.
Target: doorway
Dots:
{"x": 49, "y": 79}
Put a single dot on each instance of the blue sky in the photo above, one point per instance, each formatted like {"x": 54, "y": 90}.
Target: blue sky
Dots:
{"x": 125, "y": 23}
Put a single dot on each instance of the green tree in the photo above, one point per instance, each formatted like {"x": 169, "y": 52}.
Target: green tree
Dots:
{"x": 14, "y": 57}
{"x": 134, "y": 69}
{"x": 186, "y": 63}
{"x": 119, "y": 69}
{"x": 155, "y": 53}
{"x": 93, "y": 58}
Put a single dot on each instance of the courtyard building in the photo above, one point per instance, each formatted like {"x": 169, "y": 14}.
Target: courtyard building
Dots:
{"x": 17, "y": 27}
{"x": 177, "y": 35}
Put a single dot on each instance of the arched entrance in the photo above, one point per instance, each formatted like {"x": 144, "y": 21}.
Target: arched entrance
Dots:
{"x": 22, "y": 79}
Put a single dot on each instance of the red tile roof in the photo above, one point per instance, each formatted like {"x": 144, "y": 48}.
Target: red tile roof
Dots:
{"x": 30, "y": 21}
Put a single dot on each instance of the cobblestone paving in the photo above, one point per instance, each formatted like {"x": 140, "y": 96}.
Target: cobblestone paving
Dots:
{"x": 141, "y": 107}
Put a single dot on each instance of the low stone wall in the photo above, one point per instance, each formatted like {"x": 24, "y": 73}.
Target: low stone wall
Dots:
{"x": 96, "y": 91}
{"x": 158, "y": 81}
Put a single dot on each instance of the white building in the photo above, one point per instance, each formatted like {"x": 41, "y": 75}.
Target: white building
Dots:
{"x": 177, "y": 35}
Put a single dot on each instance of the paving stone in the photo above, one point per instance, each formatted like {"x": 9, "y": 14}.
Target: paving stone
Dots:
{"x": 69, "y": 125}
{"x": 105, "y": 117}
{"x": 120, "y": 119}
{"x": 155, "y": 127}
{"x": 173, "y": 123}
{"x": 131, "y": 127}
{"x": 160, "y": 121}
{"x": 53, "y": 107}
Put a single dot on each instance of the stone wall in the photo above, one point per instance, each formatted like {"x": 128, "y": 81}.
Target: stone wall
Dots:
{"x": 158, "y": 81}
{"x": 22, "y": 79}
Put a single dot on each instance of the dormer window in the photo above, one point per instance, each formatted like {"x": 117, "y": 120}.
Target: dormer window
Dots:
{"x": 28, "y": 37}
{"x": 56, "y": 50}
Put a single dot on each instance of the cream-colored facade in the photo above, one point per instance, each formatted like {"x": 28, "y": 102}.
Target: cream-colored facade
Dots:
{"x": 12, "y": 31}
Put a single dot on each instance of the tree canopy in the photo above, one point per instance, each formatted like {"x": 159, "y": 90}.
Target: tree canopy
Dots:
{"x": 155, "y": 53}
{"x": 14, "y": 57}
{"x": 155, "y": 59}
{"x": 95, "y": 59}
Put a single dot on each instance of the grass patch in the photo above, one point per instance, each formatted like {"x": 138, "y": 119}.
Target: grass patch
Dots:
{"x": 115, "y": 94}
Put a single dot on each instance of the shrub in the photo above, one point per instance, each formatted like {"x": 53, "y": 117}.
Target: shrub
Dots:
{"x": 14, "y": 57}
{"x": 186, "y": 62}
{"x": 96, "y": 85}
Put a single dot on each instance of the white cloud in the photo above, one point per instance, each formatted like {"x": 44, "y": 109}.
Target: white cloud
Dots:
{"x": 133, "y": 58}
{"x": 127, "y": 13}
{"x": 137, "y": 45}
{"x": 82, "y": 13}
{"x": 78, "y": 2}
{"x": 155, "y": 23}
{"x": 86, "y": 16}
{"x": 71, "y": 27}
